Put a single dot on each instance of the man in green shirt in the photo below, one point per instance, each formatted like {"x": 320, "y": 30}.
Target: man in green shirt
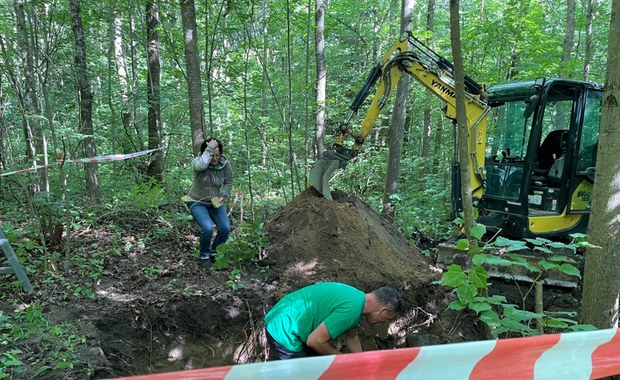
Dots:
{"x": 303, "y": 322}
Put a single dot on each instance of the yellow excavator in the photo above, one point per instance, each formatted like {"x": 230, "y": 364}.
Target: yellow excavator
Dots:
{"x": 532, "y": 145}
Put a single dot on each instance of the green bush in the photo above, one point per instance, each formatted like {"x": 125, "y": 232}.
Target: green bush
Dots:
{"x": 471, "y": 287}
{"x": 244, "y": 245}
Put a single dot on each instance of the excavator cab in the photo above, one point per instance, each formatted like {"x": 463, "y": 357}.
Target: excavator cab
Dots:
{"x": 541, "y": 154}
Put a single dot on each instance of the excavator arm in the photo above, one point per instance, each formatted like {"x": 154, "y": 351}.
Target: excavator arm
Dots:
{"x": 407, "y": 55}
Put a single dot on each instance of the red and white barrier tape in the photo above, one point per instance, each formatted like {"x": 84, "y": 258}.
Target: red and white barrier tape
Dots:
{"x": 574, "y": 356}
{"x": 87, "y": 160}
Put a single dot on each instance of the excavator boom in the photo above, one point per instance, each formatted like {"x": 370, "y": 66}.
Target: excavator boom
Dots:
{"x": 407, "y": 55}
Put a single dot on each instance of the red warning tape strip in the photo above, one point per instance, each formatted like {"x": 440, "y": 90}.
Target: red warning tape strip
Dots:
{"x": 579, "y": 355}
{"x": 88, "y": 160}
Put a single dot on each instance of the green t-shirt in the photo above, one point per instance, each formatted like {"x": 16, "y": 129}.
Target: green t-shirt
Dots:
{"x": 297, "y": 314}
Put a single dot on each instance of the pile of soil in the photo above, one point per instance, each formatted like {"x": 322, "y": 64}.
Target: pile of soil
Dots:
{"x": 155, "y": 310}
{"x": 315, "y": 239}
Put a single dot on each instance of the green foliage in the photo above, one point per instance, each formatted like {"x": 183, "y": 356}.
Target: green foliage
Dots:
{"x": 152, "y": 273}
{"x": 50, "y": 210}
{"x": 477, "y": 231}
{"x": 88, "y": 265}
{"x": 146, "y": 195}
{"x": 234, "y": 281}
{"x": 471, "y": 288}
{"x": 80, "y": 273}
{"x": 423, "y": 200}
{"x": 364, "y": 175}
{"x": 26, "y": 248}
{"x": 58, "y": 343}
{"x": 553, "y": 259}
{"x": 244, "y": 245}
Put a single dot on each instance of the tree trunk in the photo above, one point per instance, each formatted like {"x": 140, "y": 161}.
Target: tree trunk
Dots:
{"x": 156, "y": 163}
{"x": 601, "y": 284}
{"x": 461, "y": 116}
{"x": 266, "y": 59}
{"x": 85, "y": 97}
{"x": 33, "y": 134}
{"x": 288, "y": 119}
{"x": 192, "y": 64}
{"x": 321, "y": 77}
{"x": 54, "y": 228}
{"x": 4, "y": 141}
{"x": 309, "y": 143}
{"x": 209, "y": 52}
{"x": 398, "y": 124}
{"x": 41, "y": 142}
{"x": 121, "y": 71}
{"x": 570, "y": 35}
{"x": 591, "y": 8}
{"x": 3, "y": 135}
{"x": 438, "y": 142}
{"x": 430, "y": 17}
{"x": 246, "y": 116}
{"x": 137, "y": 118}
{"x": 513, "y": 63}
{"x": 428, "y": 109}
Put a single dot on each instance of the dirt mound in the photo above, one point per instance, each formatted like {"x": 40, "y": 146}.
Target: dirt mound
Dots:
{"x": 314, "y": 239}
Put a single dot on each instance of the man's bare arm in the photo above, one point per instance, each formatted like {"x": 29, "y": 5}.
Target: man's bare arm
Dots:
{"x": 353, "y": 341}
{"x": 319, "y": 339}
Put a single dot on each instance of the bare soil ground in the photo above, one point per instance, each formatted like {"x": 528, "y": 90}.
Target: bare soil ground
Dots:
{"x": 155, "y": 310}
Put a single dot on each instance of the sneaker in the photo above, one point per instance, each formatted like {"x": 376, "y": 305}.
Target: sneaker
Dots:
{"x": 205, "y": 262}
{"x": 212, "y": 258}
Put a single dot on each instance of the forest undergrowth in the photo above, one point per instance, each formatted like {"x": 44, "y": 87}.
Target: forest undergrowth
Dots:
{"x": 132, "y": 277}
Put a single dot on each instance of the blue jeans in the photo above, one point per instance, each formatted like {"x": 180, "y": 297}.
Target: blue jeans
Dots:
{"x": 208, "y": 217}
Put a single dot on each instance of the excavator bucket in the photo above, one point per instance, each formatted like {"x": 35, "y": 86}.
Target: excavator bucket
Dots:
{"x": 322, "y": 171}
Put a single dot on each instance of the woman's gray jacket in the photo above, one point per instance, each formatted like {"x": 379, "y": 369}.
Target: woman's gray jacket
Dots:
{"x": 210, "y": 180}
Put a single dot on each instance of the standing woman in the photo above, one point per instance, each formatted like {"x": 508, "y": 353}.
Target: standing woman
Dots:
{"x": 212, "y": 185}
